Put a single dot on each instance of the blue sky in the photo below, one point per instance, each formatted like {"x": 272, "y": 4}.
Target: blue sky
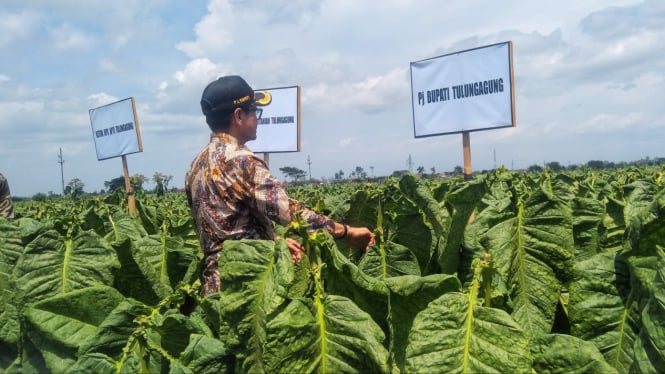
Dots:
{"x": 589, "y": 80}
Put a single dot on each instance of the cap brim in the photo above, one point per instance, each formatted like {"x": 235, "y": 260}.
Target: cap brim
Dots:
{"x": 262, "y": 98}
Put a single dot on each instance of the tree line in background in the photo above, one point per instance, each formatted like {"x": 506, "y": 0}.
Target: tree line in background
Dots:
{"x": 298, "y": 176}
{"x": 75, "y": 187}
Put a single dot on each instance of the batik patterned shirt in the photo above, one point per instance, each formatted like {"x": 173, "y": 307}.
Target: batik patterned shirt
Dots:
{"x": 232, "y": 195}
{"x": 6, "y": 206}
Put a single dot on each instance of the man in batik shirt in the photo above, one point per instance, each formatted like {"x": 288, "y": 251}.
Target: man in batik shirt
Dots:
{"x": 230, "y": 191}
{"x": 6, "y": 206}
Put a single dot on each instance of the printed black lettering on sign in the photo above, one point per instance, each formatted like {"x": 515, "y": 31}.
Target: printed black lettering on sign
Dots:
{"x": 114, "y": 129}
{"x": 461, "y": 91}
{"x": 280, "y": 120}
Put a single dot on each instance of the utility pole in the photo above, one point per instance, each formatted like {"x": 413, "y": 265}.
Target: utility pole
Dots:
{"x": 309, "y": 166}
{"x": 409, "y": 163}
{"x": 62, "y": 173}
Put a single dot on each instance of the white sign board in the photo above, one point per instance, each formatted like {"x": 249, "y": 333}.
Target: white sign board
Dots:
{"x": 115, "y": 129}
{"x": 279, "y": 127}
{"x": 463, "y": 91}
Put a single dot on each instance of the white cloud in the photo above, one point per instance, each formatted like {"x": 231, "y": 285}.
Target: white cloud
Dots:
{"x": 106, "y": 65}
{"x": 213, "y": 32}
{"x": 16, "y": 26}
{"x": 198, "y": 71}
{"x": 67, "y": 37}
{"x": 100, "y": 99}
{"x": 369, "y": 95}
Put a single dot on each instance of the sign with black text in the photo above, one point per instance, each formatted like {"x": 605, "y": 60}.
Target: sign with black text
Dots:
{"x": 279, "y": 126}
{"x": 464, "y": 91}
{"x": 115, "y": 129}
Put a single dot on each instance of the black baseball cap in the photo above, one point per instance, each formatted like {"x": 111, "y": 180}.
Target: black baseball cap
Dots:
{"x": 229, "y": 92}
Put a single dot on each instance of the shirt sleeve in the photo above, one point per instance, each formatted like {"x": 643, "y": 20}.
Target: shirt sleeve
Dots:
{"x": 271, "y": 199}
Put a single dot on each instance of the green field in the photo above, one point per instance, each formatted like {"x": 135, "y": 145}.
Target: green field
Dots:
{"x": 508, "y": 273}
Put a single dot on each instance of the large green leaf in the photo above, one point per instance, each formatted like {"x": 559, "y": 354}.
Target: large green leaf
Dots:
{"x": 342, "y": 277}
{"x": 613, "y": 226}
{"x": 588, "y": 215}
{"x": 11, "y": 248}
{"x": 389, "y": 260}
{"x": 121, "y": 226}
{"x": 461, "y": 203}
{"x": 58, "y": 325}
{"x": 164, "y": 261}
{"x": 115, "y": 331}
{"x": 129, "y": 279}
{"x": 53, "y": 265}
{"x": 646, "y": 223}
{"x": 554, "y": 353}
{"x": 425, "y": 208}
{"x": 205, "y": 355}
{"x": 254, "y": 278}
{"x": 135, "y": 338}
{"x": 454, "y": 335}
{"x": 650, "y": 346}
{"x": 532, "y": 248}
{"x": 603, "y": 308}
{"x": 329, "y": 335}
{"x": 409, "y": 295}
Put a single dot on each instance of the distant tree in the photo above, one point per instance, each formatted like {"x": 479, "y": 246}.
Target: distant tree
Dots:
{"x": 293, "y": 172}
{"x": 433, "y": 170}
{"x": 554, "y": 166}
{"x": 339, "y": 175}
{"x": 399, "y": 173}
{"x": 115, "y": 183}
{"x": 75, "y": 187}
{"x": 535, "y": 168}
{"x": 359, "y": 172}
{"x": 596, "y": 165}
{"x": 40, "y": 196}
{"x": 420, "y": 169}
{"x": 137, "y": 181}
{"x": 458, "y": 170}
{"x": 161, "y": 183}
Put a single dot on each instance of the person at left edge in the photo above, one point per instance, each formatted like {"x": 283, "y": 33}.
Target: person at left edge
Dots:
{"x": 6, "y": 205}
{"x": 230, "y": 191}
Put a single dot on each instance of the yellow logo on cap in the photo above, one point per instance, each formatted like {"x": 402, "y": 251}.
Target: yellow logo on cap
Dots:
{"x": 262, "y": 98}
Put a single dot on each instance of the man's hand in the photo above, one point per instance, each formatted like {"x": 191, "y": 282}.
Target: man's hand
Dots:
{"x": 295, "y": 248}
{"x": 360, "y": 237}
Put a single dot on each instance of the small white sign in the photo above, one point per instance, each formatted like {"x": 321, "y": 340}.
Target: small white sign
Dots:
{"x": 463, "y": 91}
{"x": 115, "y": 129}
{"x": 279, "y": 127}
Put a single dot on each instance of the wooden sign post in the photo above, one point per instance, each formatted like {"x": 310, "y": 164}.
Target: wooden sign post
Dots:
{"x": 466, "y": 143}
{"x": 131, "y": 200}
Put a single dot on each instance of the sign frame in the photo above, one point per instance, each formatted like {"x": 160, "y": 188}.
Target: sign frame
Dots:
{"x": 457, "y": 80}
{"x": 117, "y": 119}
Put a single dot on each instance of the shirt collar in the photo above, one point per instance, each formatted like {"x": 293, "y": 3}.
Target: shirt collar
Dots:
{"x": 223, "y": 137}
